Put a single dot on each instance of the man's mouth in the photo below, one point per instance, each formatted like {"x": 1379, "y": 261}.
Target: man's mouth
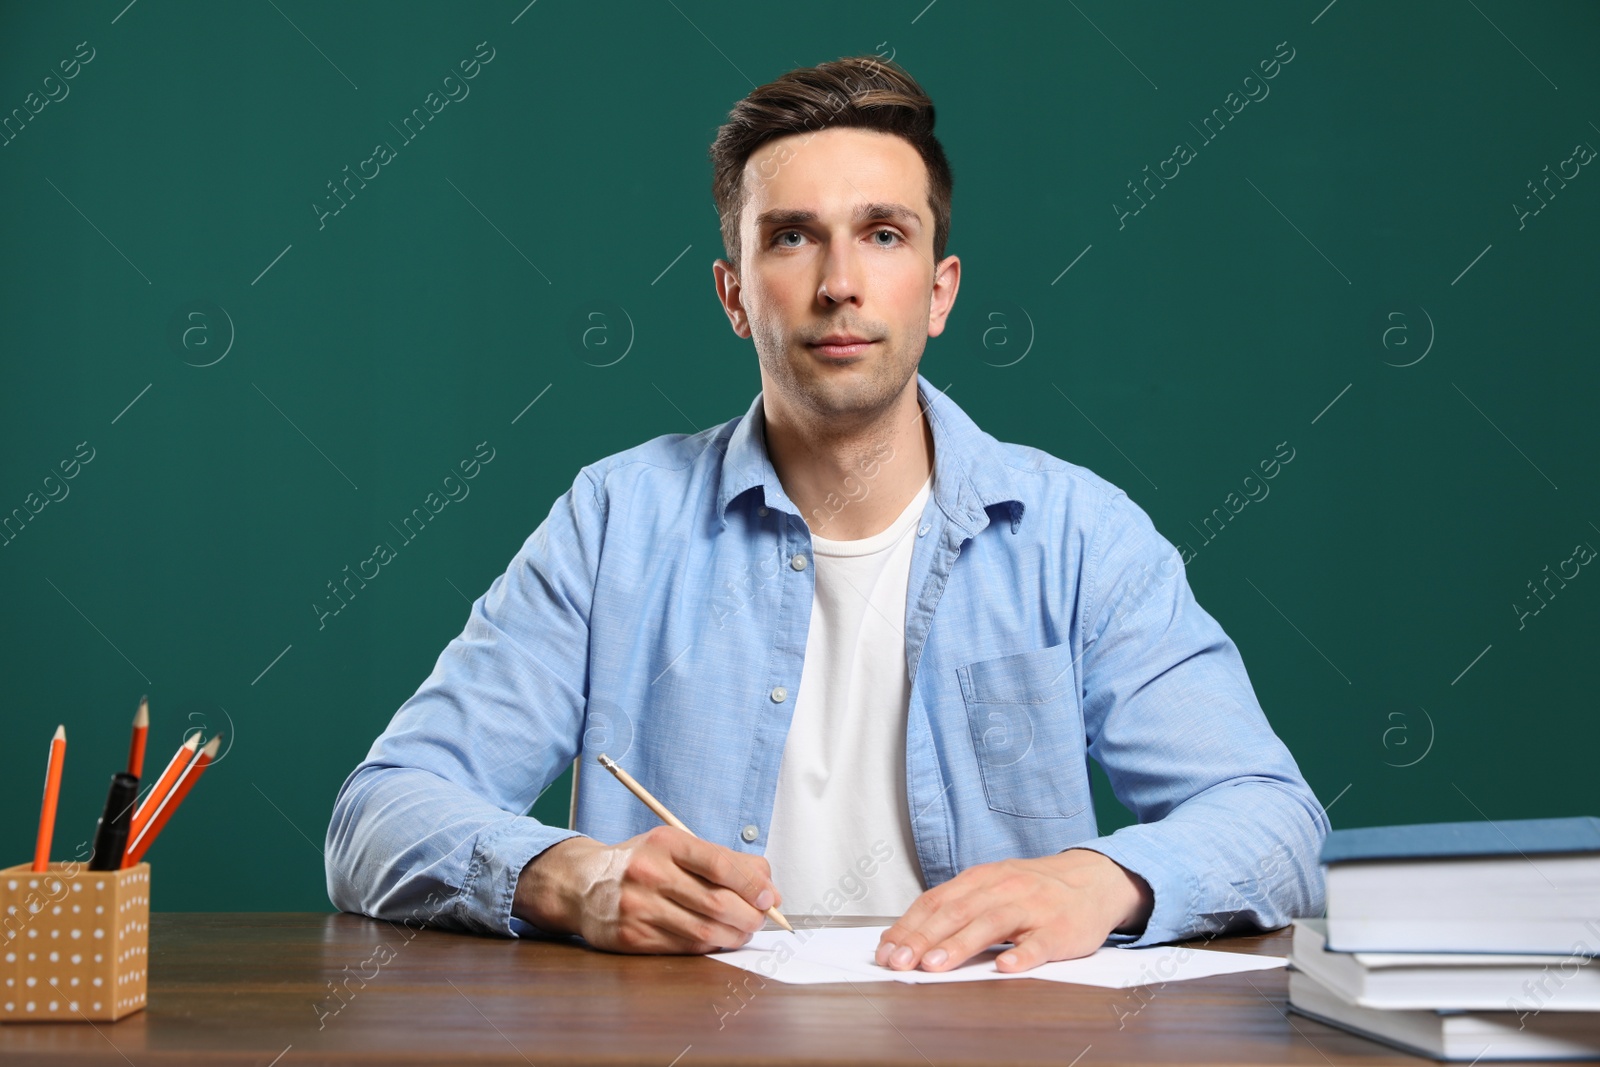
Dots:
{"x": 841, "y": 346}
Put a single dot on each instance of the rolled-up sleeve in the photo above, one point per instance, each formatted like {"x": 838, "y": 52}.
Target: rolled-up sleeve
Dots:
{"x": 1228, "y": 833}
{"x": 431, "y": 826}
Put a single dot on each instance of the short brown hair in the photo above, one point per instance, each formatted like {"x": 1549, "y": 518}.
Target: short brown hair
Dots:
{"x": 866, "y": 92}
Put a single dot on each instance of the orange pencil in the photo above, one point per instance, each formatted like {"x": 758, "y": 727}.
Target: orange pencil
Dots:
{"x": 152, "y": 800}
{"x": 141, "y": 730}
{"x": 52, "y": 791}
{"x": 191, "y": 774}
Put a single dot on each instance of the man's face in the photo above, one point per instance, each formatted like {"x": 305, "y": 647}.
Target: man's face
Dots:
{"x": 836, "y": 240}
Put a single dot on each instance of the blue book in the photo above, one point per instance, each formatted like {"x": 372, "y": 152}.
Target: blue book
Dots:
{"x": 1512, "y": 886}
{"x": 1430, "y": 840}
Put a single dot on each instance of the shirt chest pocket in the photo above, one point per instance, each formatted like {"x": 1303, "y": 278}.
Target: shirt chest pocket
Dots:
{"x": 1027, "y": 732}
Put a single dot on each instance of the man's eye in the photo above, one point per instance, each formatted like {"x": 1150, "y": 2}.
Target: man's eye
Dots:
{"x": 777, "y": 238}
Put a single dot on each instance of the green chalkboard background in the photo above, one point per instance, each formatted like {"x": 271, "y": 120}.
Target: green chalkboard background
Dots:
{"x": 1344, "y": 267}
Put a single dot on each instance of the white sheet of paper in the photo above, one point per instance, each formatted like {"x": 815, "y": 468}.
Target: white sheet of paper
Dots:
{"x": 809, "y": 957}
{"x": 844, "y": 954}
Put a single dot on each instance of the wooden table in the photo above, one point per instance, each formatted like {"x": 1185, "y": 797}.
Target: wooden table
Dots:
{"x": 257, "y": 988}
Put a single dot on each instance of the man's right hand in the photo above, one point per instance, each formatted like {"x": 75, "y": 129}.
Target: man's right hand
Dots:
{"x": 663, "y": 891}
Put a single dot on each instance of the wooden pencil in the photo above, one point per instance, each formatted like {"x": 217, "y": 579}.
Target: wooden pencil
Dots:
{"x": 137, "y": 846}
{"x": 164, "y": 784}
{"x": 52, "y": 793}
{"x": 141, "y": 731}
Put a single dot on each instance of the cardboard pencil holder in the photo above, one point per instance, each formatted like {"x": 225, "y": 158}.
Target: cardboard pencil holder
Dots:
{"x": 75, "y": 942}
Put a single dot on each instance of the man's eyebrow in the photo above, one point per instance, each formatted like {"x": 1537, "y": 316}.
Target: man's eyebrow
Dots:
{"x": 874, "y": 212}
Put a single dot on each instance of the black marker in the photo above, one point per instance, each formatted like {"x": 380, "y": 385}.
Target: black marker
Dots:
{"x": 111, "y": 833}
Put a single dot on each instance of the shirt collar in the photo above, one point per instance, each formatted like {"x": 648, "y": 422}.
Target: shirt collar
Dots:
{"x": 969, "y": 472}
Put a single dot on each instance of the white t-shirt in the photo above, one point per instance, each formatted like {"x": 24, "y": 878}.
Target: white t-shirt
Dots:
{"x": 840, "y": 841}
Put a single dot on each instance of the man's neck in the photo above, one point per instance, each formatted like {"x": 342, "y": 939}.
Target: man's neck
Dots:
{"x": 852, "y": 485}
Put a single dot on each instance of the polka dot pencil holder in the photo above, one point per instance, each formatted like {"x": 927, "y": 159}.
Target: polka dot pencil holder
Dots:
{"x": 75, "y": 943}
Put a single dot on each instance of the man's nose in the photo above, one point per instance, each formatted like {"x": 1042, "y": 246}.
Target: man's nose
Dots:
{"x": 841, "y": 278}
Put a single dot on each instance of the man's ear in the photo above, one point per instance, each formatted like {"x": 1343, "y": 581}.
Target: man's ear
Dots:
{"x": 946, "y": 280}
{"x": 727, "y": 283}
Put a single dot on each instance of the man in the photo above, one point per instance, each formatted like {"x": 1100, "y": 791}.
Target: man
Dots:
{"x": 860, "y": 646}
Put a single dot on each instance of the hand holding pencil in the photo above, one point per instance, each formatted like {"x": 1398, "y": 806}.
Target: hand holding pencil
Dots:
{"x": 670, "y": 819}
{"x": 661, "y": 891}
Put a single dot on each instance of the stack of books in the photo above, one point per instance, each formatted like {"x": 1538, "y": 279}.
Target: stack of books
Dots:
{"x": 1459, "y": 941}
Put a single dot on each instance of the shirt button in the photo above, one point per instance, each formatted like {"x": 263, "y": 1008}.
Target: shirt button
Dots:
{"x": 798, "y": 562}
{"x": 762, "y": 512}
{"x": 923, "y": 529}
{"x": 750, "y": 833}
{"x": 779, "y": 695}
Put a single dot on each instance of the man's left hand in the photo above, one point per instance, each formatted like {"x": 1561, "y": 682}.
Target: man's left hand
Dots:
{"x": 1055, "y": 907}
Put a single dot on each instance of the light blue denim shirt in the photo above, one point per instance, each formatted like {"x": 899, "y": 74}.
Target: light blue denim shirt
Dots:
{"x": 662, "y": 605}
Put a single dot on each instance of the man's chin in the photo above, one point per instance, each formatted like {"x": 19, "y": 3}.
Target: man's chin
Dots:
{"x": 844, "y": 390}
